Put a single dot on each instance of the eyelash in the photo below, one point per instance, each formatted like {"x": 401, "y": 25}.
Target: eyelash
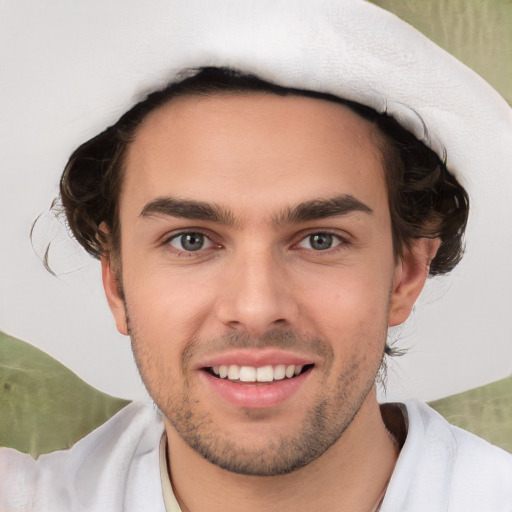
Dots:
{"x": 184, "y": 253}
{"x": 343, "y": 242}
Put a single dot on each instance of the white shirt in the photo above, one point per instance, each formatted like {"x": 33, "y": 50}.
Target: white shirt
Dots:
{"x": 441, "y": 468}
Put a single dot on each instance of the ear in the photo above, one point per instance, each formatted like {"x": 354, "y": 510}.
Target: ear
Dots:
{"x": 112, "y": 292}
{"x": 411, "y": 272}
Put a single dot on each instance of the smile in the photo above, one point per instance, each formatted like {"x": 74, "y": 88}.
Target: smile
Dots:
{"x": 268, "y": 373}
{"x": 256, "y": 378}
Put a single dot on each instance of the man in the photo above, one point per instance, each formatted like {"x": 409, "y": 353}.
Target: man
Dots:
{"x": 258, "y": 234}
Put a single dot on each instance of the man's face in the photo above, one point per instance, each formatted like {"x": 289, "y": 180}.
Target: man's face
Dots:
{"x": 256, "y": 241}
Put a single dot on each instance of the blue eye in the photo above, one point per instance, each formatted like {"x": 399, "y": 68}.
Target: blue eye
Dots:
{"x": 320, "y": 241}
{"x": 191, "y": 242}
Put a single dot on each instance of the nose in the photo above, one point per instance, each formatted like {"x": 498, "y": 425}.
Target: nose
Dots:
{"x": 257, "y": 295}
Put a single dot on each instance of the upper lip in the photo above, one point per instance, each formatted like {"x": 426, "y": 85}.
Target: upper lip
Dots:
{"x": 255, "y": 358}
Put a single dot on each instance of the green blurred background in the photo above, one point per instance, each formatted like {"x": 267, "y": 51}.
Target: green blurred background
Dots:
{"x": 477, "y": 32}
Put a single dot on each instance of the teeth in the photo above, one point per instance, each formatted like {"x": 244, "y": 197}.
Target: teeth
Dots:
{"x": 261, "y": 374}
{"x": 265, "y": 374}
{"x": 279, "y": 372}
{"x": 247, "y": 374}
{"x": 233, "y": 372}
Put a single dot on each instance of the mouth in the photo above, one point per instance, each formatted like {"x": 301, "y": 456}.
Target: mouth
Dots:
{"x": 260, "y": 374}
{"x": 256, "y": 379}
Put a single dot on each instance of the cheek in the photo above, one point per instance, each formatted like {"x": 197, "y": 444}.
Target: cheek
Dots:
{"x": 170, "y": 306}
{"x": 353, "y": 293}
{"x": 350, "y": 309}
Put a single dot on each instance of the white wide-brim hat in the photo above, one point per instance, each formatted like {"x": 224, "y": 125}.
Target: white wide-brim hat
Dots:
{"x": 70, "y": 69}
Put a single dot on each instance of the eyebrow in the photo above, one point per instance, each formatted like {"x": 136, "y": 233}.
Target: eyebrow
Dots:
{"x": 322, "y": 208}
{"x": 309, "y": 210}
{"x": 188, "y": 209}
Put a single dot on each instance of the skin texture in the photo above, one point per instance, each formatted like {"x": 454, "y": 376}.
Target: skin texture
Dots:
{"x": 258, "y": 287}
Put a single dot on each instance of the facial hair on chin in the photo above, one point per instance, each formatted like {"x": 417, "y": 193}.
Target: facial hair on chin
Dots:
{"x": 323, "y": 425}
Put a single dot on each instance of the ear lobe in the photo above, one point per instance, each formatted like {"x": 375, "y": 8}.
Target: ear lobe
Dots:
{"x": 114, "y": 297}
{"x": 411, "y": 272}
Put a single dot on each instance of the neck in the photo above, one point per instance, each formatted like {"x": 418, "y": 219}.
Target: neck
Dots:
{"x": 352, "y": 475}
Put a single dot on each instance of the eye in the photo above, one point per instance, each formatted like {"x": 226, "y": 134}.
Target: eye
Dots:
{"x": 190, "y": 242}
{"x": 320, "y": 241}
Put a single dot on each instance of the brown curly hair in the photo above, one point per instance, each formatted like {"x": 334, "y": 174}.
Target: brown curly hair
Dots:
{"x": 425, "y": 199}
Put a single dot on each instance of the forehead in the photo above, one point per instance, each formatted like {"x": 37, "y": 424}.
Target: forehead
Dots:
{"x": 246, "y": 148}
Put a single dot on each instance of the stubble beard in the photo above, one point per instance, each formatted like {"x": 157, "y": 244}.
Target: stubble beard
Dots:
{"x": 282, "y": 454}
{"x": 324, "y": 423}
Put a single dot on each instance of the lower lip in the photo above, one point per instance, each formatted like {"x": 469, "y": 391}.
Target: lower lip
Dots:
{"x": 256, "y": 395}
